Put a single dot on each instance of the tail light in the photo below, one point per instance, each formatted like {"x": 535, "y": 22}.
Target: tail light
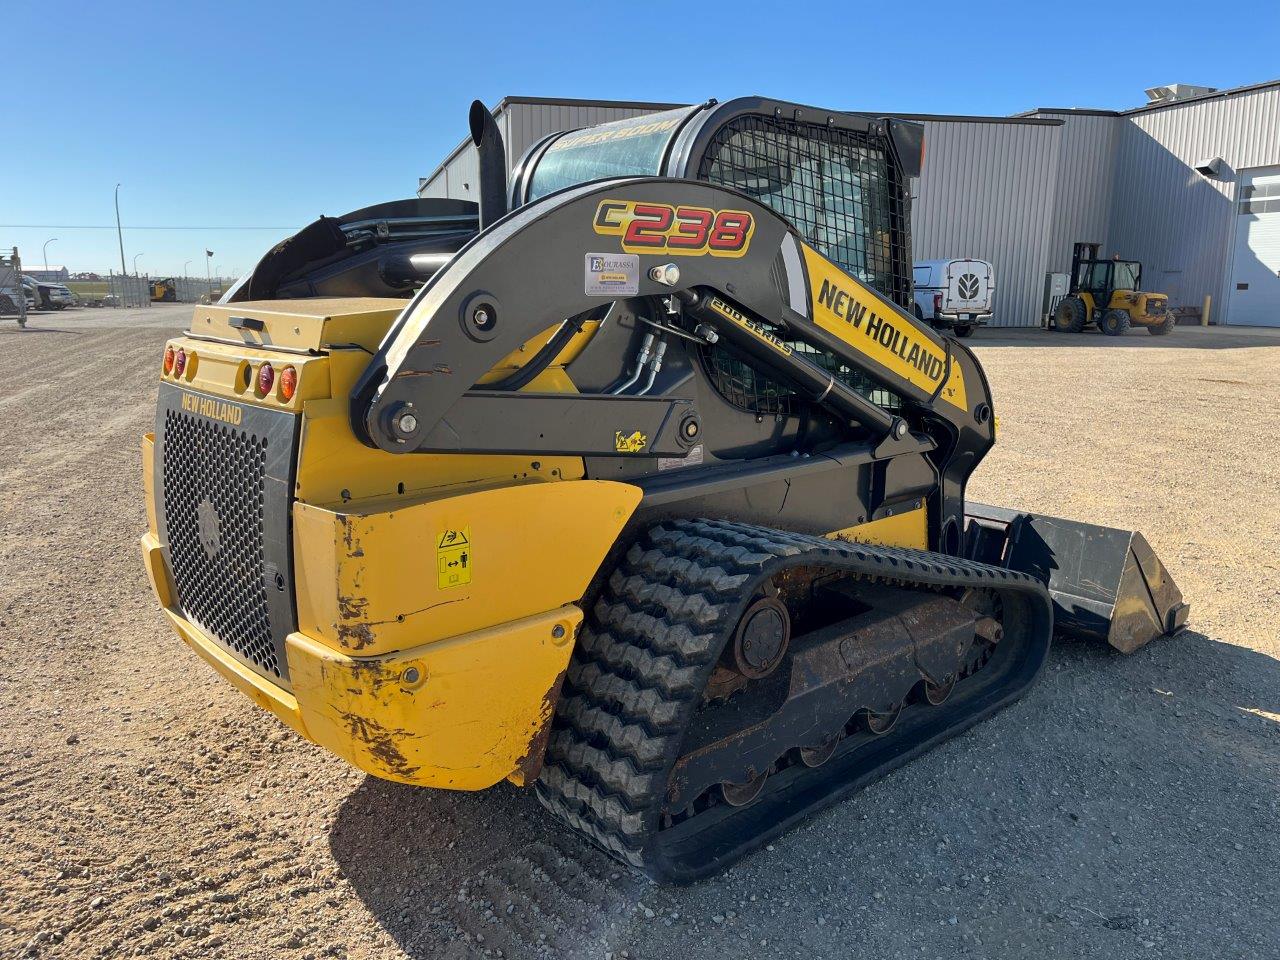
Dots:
{"x": 179, "y": 362}
{"x": 266, "y": 378}
{"x": 168, "y": 360}
{"x": 288, "y": 383}
{"x": 937, "y": 304}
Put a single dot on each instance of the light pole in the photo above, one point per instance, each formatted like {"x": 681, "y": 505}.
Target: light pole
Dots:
{"x": 46, "y": 255}
{"x": 119, "y": 232}
{"x": 184, "y": 269}
{"x": 208, "y": 256}
{"x": 135, "y": 263}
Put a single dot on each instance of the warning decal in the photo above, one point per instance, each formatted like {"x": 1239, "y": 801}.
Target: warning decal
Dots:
{"x": 453, "y": 558}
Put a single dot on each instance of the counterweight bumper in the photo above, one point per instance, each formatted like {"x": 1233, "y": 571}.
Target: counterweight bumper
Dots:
{"x": 1106, "y": 584}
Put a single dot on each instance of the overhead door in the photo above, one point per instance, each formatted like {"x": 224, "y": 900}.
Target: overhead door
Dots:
{"x": 1255, "y": 263}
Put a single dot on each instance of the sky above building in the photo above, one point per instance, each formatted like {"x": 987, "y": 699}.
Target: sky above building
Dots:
{"x": 228, "y": 126}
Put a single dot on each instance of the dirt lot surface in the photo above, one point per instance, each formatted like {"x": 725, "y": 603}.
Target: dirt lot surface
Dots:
{"x": 1128, "y": 807}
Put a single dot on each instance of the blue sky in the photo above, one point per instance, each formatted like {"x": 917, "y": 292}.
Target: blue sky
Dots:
{"x": 233, "y": 115}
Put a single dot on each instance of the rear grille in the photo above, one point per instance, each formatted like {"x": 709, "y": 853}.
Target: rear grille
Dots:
{"x": 215, "y": 490}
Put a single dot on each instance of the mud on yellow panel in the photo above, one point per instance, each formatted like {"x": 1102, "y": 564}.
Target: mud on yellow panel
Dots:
{"x": 907, "y": 529}
{"x": 461, "y": 714}
{"x": 384, "y": 576}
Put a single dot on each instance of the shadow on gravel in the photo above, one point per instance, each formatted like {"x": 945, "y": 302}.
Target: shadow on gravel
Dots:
{"x": 454, "y": 874}
{"x": 440, "y": 867}
{"x": 29, "y": 331}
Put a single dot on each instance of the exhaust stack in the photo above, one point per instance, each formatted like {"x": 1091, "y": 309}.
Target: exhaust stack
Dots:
{"x": 493, "y": 164}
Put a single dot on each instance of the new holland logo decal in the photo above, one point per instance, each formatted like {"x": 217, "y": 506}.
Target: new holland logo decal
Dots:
{"x": 213, "y": 408}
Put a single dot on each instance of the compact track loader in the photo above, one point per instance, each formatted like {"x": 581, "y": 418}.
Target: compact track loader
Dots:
{"x": 636, "y": 483}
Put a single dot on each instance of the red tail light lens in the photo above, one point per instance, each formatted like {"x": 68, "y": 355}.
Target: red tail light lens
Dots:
{"x": 266, "y": 378}
{"x": 179, "y": 362}
{"x": 937, "y": 302}
{"x": 168, "y": 360}
{"x": 288, "y": 383}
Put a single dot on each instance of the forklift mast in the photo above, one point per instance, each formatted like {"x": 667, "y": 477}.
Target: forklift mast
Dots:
{"x": 1082, "y": 253}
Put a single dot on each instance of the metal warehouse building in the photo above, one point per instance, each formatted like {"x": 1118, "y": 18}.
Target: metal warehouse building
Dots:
{"x": 1188, "y": 183}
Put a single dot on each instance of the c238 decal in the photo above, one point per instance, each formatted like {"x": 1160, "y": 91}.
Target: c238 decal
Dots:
{"x": 647, "y": 227}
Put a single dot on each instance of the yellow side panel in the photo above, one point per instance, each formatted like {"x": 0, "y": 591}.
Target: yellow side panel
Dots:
{"x": 460, "y": 714}
{"x": 522, "y": 354}
{"x": 876, "y": 328}
{"x": 149, "y": 481}
{"x": 304, "y": 324}
{"x": 909, "y": 529}
{"x": 334, "y": 467}
{"x": 371, "y": 582}
{"x": 227, "y": 371}
{"x": 264, "y": 693}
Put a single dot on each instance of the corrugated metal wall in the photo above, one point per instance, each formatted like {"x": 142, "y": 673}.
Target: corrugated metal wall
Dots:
{"x": 987, "y": 192}
{"x": 1082, "y": 198}
{"x": 522, "y": 124}
{"x": 1179, "y": 223}
{"x": 1019, "y": 194}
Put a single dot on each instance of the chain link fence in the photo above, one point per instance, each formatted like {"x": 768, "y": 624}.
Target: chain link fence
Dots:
{"x": 126, "y": 291}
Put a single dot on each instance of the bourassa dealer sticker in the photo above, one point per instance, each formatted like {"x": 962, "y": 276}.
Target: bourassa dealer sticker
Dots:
{"x": 613, "y": 275}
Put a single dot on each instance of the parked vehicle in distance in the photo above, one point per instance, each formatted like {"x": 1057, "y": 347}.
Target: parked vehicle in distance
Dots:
{"x": 164, "y": 290}
{"x": 32, "y": 290}
{"x": 954, "y": 294}
{"x": 1109, "y": 293}
{"x": 53, "y": 296}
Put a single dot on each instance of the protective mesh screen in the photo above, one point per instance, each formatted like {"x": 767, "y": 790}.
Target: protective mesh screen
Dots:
{"x": 845, "y": 196}
{"x": 750, "y": 389}
{"x": 838, "y": 188}
{"x": 215, "y": 490}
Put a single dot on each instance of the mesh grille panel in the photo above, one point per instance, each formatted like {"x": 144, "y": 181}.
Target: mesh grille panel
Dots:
{"x": 845, "y": 197}
{"x": 215, "y": 488}
{"x": 757, "y": 392}
{"x": 838, "y": 188}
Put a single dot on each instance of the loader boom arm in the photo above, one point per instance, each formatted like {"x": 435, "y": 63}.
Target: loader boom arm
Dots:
{"x": 526, "y": 274}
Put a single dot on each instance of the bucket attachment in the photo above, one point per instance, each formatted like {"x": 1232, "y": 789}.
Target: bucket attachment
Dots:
{"x": 1106, "y": 584}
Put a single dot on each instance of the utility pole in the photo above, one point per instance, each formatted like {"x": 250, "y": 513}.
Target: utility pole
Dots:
{"x": 46, "y": 255}
{"x": 119, "y": 232}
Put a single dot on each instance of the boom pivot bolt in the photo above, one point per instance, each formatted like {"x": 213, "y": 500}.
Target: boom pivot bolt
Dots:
{"x": 668, "y": 274}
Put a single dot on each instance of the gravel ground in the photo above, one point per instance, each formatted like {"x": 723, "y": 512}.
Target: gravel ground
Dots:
{"x": 1126, "y": 808}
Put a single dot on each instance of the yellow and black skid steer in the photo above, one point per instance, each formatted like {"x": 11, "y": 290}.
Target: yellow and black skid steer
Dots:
{"x": 636, "y": 483}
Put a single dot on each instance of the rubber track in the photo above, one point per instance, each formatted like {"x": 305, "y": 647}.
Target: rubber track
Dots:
{"x": 649, "y": 645}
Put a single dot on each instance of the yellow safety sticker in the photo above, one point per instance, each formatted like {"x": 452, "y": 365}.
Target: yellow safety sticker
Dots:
{"x": 453, "y": 558}
{"x": 629, "y": 443}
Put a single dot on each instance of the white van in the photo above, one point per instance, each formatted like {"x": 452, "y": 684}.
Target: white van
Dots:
{"x": 954, "y": 294}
